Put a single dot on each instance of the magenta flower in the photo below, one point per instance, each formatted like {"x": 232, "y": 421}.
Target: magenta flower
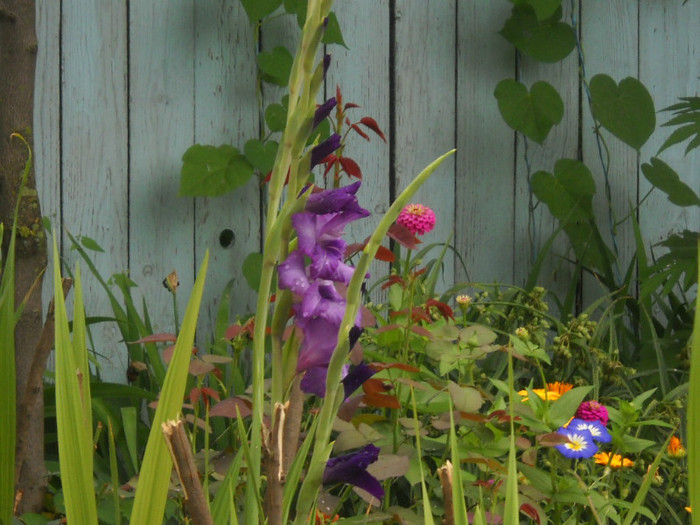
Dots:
{"x": 417, "y": 218}
{"x": 592, "y": 411}
{"x": 352, "y": 468}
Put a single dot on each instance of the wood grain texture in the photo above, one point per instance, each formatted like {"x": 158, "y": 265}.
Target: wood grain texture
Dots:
{"x": 226, "y": 112}
{"x": 425, "y": 110}
{"x": 562, "y": 142}
{"x": 362, "y": 72}
{"x": 484, "y": 207}
{"x": 161, "y": 91}
{"x": 94, "y": 137}
{"x": 669, "y": 44}
{"x": 47, "y": 131}
{"x": 610, "y": 42}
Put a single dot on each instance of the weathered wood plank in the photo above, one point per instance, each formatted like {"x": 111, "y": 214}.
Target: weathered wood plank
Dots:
{"x": 609, "y": 39}
{"x": 161, "y": 91}
{"x": 562, "y": 142}
{"x": 425, "y": 110}
{"x": 669, "y": 50}
{"x": 94, "y": 152}
{"x": 484, "y": 205}
{"x": 47, "y": 131}
{"x": 226, "y": 112}
{"x": 362, "y": 72}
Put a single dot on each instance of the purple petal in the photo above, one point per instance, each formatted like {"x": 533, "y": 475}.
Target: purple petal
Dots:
{"x": 314, "y": 381}
{"x": 335, "y": 200}
{"x": 292, "y": 273}
{"x": 326, "y": 60}
{"x": 324, "y": 149}
{"x": 320, "y": 339}
{"x": 323, "y": 111}
{"x": 323, "y": 300}
{"x": 352, "y": 468}
{"x": 356, "y": 377}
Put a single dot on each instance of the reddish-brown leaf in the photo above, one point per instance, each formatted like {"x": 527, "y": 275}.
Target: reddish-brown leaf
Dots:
{"x": 359, "y": 131}
{"x": 227, "y": 407}
{"x": 443, "y": 308}
{"x": 418, "y": 314}
{"x": 381, "y": 401}
{"x": 403, "y": 236}
{"x": 388, "y": 328}
{"x": 385, "y": 254}
{"x": 351, "y": 105}
{"x": 354, "y": 248}
{"x": 372, "y": 124}
{"x": 375, "y": 386}
{"x": 421, "y": 331}
{"x": 528, "y": 509}
{"x": 394, "y": 279}
{"x": 350, "y": 167}
{"x": 377, "y": 367}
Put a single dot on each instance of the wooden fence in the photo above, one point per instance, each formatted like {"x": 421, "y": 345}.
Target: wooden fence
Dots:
{"x": 124, "y": 88}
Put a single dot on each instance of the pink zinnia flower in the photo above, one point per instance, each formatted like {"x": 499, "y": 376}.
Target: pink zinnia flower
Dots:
{"x": 592, "y": 411}
{"x": 417, "y": 218}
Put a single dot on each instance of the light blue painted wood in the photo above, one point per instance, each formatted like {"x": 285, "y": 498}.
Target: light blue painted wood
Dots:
{"x": 484, "y": 207}
{"x": 94, "y": 156}
{"x": 47, "y": 131}
{"x": 161, "y": 90}
{"x": 425, "y": 109}
{"x": 610, "y": 42}
{"x": 226, "y": 112}
{"x": 108, "y": 167}
{"x": 669, "y": 43}
{"x": 362, "y": 72}
{"x": 562, "y": 142}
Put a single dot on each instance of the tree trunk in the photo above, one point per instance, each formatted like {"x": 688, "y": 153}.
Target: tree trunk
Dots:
{"x": 18, "y": 47}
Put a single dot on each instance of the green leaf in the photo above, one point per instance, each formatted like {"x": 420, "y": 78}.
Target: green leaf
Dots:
{"x": 545, "y": 40}
{"x": 568, "y": 193}
{"x": 258, "y": 9}
{"x": 298, "y": 8}
{"x": 261, "y": 154}
{"x": 154, "y": 478}
{"x": 276, "y": 65}
{"x": 465, "y": 398}
{"x": 251, "y": 269}
{"x": 564, "y": 408}
{"x": 543, "y": 8}
{"x": 90, "y": 244}
{"x": 533, "y": 113}
{"x": 667, "y": 180}
{"x": 208, "y": 171}
{"x": 276, "y": 117}
{"x": 626, "y": 111}
{"x": 333, "y": 34}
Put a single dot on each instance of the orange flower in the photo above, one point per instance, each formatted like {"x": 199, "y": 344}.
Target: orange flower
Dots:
{"x": 688, "y": 509}
{"x": 553, "y": 391}
{"x": 617, "y": 461}
{"x": 675, "y": 448}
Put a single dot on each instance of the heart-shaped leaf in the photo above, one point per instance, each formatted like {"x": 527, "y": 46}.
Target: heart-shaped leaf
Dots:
{"x": 569, "y": 192}
{"x": 626, "y": 111}
{"x": 667, "y": 180}
{"x": 543, "y": 8}
{"x": 276, "y": 65}
{"x": 533, "y": 113}
{"x": 548, "y": 40}
{"x": 332, "y": 34}
{"x": 210, "y": 171}
{"x": 569, "y": 196}
{"x": 276, "y": 117}
{"x": 261, "y": 155}
{"x": 251, "y": 269}
{"x": 257, "y": 9}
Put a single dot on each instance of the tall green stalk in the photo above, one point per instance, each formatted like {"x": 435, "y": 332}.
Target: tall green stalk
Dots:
{"x": 8, "y": 399}
{"x": 694, "y": 412}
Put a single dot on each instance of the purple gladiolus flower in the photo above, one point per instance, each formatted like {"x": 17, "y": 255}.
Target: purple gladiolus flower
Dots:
{"x": 323, "y": 110}
{"x": 320, "y": 339}
{"x": 352, "y": 468}
{"x": 324, "y": 149}
{"x": 336, "y": 200}
{"x": 354, "y": 379}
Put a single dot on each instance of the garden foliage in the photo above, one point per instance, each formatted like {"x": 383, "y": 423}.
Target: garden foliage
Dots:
{"x": 476, "y": 404}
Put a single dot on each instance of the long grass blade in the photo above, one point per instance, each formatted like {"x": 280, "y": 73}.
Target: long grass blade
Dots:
{"x": 154, "y": 479}
{"x": 73, "y": 405}
{"x": 114, "y": 471}
{"x": 459, "y": 508}
{"x": 694, "y": 413}
{"x": 512, "y": 507}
